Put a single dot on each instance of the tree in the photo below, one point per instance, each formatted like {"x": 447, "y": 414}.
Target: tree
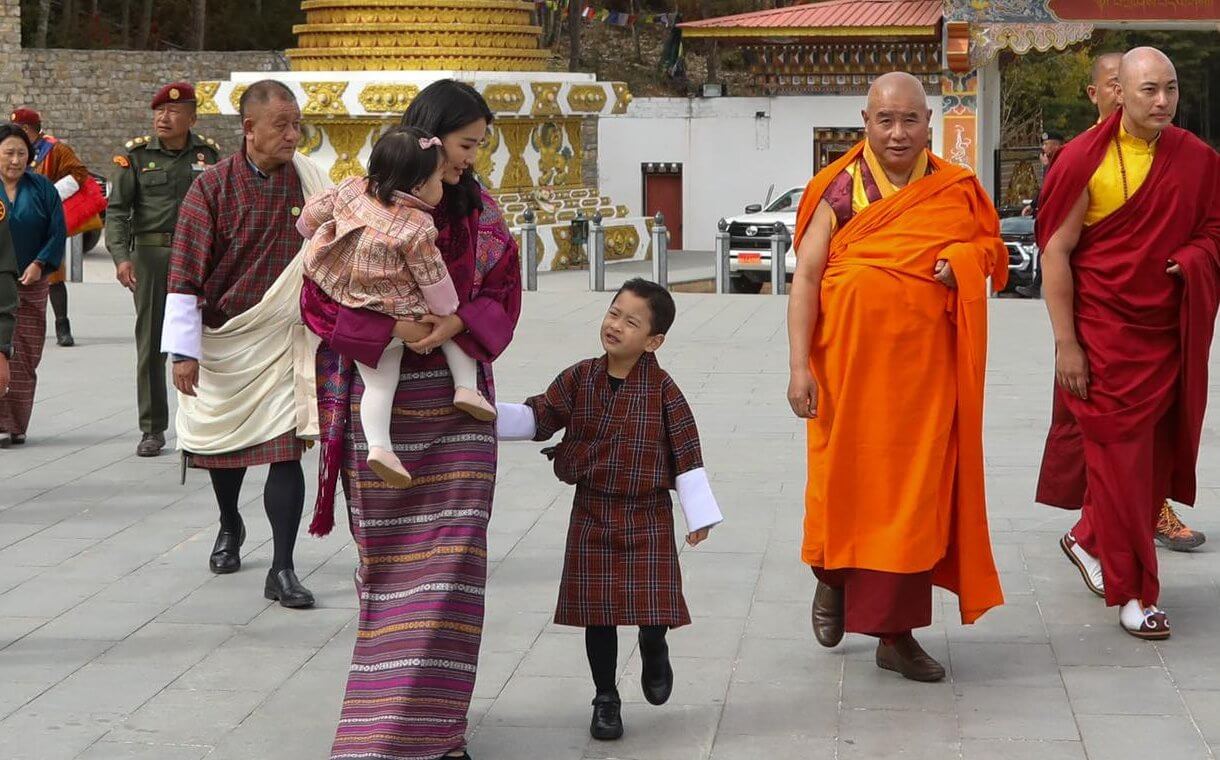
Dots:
{"x": 44, "y": 18}
{"x": 146, "y": 16}
{"x": 199, "y": 23}
{"x": 574, "y": 13}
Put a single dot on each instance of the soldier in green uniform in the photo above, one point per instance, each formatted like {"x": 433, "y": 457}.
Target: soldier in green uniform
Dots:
{"x": 150, "y": 180}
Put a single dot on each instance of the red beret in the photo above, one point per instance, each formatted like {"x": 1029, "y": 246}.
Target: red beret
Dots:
{"x": 27, "y": 117}
{"x": 178, "y": 92}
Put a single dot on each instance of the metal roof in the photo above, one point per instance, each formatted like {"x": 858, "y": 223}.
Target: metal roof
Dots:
{"x": 829, "y": 18}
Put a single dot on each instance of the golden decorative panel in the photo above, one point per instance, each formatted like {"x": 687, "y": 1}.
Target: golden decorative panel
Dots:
{"x": 622, "y": 242}
{"x": 586, "y": 98}
{"x": 576, "y": 151}
{"x": 205, "y": 98}
{"x": 546, "y": 98}
{"x": 324, "y": 98}
{"x": 504, "y": 98}
{"x": 516, "y": 134}
{"x": 484, "y": 166}
{"x": 347, "y": 138}
{"x": 311, "y": 139}
{"x": 393, "y": 98}
{"x": 622, "y": 98}
{"x": 235, "y": 96}
{"x": 416, "y": 59}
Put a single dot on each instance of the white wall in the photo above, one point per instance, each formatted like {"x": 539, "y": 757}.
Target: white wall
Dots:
{"x": 729, "y": 156}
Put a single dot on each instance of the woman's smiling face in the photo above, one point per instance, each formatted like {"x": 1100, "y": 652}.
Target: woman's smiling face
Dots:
{"x": 461, "y": 149}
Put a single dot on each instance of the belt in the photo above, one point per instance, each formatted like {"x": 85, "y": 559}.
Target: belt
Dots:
{"x": 155, "y": 239}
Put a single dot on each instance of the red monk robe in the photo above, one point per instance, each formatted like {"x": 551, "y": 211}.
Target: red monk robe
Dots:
{"x": 895, "y": 498}
{"x": 1147, "y": 337}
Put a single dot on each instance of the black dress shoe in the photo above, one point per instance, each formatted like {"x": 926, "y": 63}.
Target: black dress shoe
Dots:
{"x": 150, "y": 445}
{"x": 18, "y": 439}
{"x": 284, "y": 587}
{"x": 657, "y": 677}
{"x": 607, "y": 723}
{"x": 226, "y": 553}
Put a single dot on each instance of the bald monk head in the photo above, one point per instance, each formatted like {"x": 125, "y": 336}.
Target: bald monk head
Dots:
{"x": 1103, "y": 89}
{"x": 896, "y": 121}
{"x": 1147, "y": 91}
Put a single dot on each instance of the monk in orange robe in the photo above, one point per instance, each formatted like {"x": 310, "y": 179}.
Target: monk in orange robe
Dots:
{"x": 1130, "y": 233}
{"x": 887, "y": 323}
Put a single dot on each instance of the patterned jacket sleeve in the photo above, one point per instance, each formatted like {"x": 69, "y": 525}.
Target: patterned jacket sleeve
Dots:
{"x": 681, "y": 429}
{"x": 318, "y": 210}
{"x": 194, "y": 237}
{"x": 427, "y": 267}
{"x": 491, "y": 316}
{"x": 553, "y": 409}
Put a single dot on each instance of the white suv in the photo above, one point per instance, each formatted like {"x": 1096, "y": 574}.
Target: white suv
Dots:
{"x": 750, "y": 241}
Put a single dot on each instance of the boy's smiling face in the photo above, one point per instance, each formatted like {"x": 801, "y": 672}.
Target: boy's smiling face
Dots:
{"x": 627, "y": 328}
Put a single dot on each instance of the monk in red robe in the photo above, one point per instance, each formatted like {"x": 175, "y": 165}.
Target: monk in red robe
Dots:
{"x": 887, "y": 324}
{"x": 1130, "y": 233}
{"x": 1171, "y": 532}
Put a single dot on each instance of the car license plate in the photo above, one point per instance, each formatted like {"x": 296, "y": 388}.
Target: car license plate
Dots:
{"x": 749, "y": 258}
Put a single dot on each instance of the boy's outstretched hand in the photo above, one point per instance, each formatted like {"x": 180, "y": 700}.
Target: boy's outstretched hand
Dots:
{"x": 699, "y": 536}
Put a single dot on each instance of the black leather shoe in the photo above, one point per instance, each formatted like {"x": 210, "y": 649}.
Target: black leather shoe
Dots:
{"x": 607, "y": 723}
{"x": 284, "y": 587}
{"x": 63, "y": 333}
{"x": 657, "y": 676}
{"x": 226, "y": 553}
{"x": 150, "y": 445}
{"x": 18, "y": 439}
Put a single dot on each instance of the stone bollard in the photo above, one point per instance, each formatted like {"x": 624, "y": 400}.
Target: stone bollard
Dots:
{"x": 779, "y": 250}
{"x": 529, "y": 251}
{"x": 597, "y": 255}
{"x": 660, "y": 252}
{"x": 722, "y": 262}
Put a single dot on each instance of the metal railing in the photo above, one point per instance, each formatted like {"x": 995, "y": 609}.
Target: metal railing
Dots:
{"x": 597, "y": 254}
{"x": 660, "y": 251}
{"x": 779, "y": 254}
{"x": 74, "y": 258}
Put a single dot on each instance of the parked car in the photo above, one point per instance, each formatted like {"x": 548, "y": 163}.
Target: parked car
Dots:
{"x": 93, "y": 237}
{"x": 1017, "y": 232}
{"x": 750, "y": 241}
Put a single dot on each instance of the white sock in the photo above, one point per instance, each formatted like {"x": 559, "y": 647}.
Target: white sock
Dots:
{"x": 1131, "y": 615}
{"x": 1091, "y": 564}
{"x": 465, "y": 370}
{"x": 380, "y": 384}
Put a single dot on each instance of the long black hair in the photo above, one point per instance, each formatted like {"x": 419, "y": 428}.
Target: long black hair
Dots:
{"x": 444, "y": 107}
{"x": 9, "y": 129}
{"x": 399, "y": 163}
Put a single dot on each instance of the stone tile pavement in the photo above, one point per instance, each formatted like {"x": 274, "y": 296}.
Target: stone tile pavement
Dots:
{"x": 116, "y": 643}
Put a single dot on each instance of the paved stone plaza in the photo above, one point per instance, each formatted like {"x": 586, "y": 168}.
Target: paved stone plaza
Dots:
{"x": 116, "y": 643}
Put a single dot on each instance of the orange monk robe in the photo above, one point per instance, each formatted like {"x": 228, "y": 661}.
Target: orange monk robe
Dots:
{"x": 896, "y": 451}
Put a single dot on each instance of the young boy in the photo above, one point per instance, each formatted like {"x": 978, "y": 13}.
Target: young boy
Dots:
{"x": 630, "y": 437}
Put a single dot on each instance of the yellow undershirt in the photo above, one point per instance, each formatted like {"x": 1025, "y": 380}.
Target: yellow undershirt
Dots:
{"x": 1106, "y": 185}
{"x": 859, "y": 196}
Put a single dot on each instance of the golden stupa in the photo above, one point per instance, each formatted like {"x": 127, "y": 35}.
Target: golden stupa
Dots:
{"x": 358, "y": 64}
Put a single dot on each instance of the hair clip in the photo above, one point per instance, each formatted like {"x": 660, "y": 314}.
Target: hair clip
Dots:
{"x": 428, "y": 142}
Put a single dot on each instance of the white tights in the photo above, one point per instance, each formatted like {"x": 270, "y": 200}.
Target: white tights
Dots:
{"x": 381, "y": 382}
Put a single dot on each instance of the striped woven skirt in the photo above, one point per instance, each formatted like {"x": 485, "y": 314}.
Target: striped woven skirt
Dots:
{"x": 29, "y": 337}
{"x": 423, "y": 570}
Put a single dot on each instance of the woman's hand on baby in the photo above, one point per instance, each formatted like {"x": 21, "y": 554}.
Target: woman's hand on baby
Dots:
{"x": 410, "y": 330}
{"x": 443, "y": 329}
{"x": 699, "y": 536}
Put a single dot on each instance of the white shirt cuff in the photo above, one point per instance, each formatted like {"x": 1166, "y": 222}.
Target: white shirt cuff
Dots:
{"x": 698, "y": 503}
{"x": 515, "y": 422}
{"x": 67, "y": 187}
{"x": 183, "y": 330}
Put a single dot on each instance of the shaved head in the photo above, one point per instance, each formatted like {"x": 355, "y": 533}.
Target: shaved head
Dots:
{"x": 1147, "y": 91}
{"x": 1103, "y": 90}
{"x": 896, "y": 121}
{"x": 1102, "y": 65}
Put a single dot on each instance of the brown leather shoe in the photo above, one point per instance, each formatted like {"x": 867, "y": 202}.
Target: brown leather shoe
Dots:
{"x": 828, "y": 615}
{"x": 905, "y": 656}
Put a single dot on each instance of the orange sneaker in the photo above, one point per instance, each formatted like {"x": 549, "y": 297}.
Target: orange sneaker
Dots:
{"x": 1173, "y": 534}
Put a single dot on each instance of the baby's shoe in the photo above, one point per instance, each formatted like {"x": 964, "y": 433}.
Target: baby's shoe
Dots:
{"x": 473, "y": 403}
{"x": 387, "y": 467}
